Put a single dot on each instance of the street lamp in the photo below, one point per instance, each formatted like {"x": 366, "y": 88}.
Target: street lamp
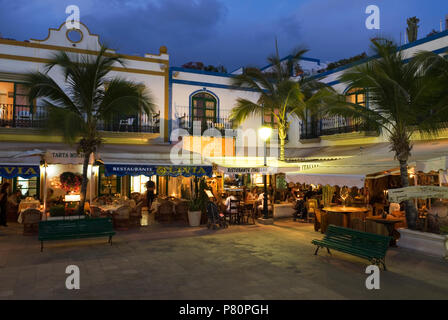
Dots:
{"x": 265, "y": 133}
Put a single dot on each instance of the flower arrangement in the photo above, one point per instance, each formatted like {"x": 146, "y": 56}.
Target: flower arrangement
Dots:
{"x": 70, "y": 182}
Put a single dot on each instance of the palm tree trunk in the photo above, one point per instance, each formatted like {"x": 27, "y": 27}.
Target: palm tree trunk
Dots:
{"x": 411, "y": 211}
{"x": 282, "y": 137}
{"x": 282, "y": 149}
{"x": 84, "y": 182}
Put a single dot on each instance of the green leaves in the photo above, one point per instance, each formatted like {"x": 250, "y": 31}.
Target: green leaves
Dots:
{"x": 405, "y": 96}
{"x": 89, "y": 95}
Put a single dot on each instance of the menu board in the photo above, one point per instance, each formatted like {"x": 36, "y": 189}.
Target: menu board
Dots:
{"x": 417, "y": 192}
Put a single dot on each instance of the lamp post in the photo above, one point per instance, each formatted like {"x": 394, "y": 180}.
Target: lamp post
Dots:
{"x": 265, "y": 133}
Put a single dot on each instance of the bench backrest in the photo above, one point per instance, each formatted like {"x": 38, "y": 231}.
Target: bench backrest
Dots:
{"x": 375, "y": 243}
{"x": 81, "y": 226}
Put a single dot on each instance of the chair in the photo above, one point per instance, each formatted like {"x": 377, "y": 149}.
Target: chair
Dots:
{"x": 235, "y": 211}
{"x": 248, "y": 212}
{"x": 95, "y": 212}
{"x": 128, "y": 122}
{"x": 31, "y": 218}
{"x": 135, "y": 215}
{"x": 181, "y": 211}
{"x": 121, "y": 218}
{"x": 165, "y": 211}
{"x": 311, "y": 206}
{"x": 378, "y": 208}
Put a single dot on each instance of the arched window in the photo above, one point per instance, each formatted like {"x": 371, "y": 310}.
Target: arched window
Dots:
{"x": 357, "y": 96}
{"x": 203, "y": 107}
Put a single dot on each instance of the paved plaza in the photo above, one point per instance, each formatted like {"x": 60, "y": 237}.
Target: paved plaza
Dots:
{"x": 241, "y": 262}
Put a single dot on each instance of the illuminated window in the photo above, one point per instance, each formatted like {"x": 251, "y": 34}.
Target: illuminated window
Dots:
{"x": 138, "y": 183}
{"x": 203, "y": 107}
{"x": 356, "y": 96}
{"x": 108, "y": 185}
{"x": 28, "y": 187}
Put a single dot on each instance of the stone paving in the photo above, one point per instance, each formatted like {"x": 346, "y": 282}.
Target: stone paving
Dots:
{"x": 241, "y": 262}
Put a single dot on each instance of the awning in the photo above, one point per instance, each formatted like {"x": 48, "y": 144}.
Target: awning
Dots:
{"x": 26, "y": 167}
{"x": 247, "y": 165}
{"x": 379, "y": 161}
{"x": 434, "y": 164}
{"x": 10, "y": 171}
{"x": 160, "y": 170}
{"x": 149, "y": 160}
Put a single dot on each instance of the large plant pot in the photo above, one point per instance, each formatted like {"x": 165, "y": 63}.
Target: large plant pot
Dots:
{"x": 194, "y": 218}
{"x": 424, "y": 242}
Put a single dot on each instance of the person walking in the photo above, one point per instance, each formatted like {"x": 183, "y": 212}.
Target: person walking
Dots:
{"x": 150, "y": 187}
{"x": 3, "y": 202}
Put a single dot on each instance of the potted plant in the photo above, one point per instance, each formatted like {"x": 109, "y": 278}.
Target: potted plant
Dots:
{"x": 195, "y": 212}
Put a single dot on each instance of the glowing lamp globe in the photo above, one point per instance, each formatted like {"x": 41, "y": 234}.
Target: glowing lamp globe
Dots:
{"x": 264, "y": 133}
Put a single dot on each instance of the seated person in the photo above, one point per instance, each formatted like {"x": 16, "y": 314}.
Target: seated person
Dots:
{"x": 227, "y": 202}
{"x": 251, "y": 195}
{"x": 14, "y": 198}
{"x": 394, "y": 207}
{"x": 261, "y": 203}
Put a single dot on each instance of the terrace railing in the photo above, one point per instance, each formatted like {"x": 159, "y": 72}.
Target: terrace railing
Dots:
{"x": 18, "y": 116}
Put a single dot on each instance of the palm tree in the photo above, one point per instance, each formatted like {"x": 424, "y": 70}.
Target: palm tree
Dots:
{"x": 404, "y": 96}
{"x": 90, "y": 95}
{"x": 279, "y": 95}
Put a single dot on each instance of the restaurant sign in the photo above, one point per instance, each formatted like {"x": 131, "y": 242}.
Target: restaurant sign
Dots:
{"x": 13, "y": 171}
{"x": 160, "y": 170}
{"x": 417, "y": 192}
{"x": 64, "y": 157}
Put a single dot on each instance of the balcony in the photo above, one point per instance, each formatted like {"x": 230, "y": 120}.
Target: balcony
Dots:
{"x": 18, "y": 116}
{"x": 186, "y": 122}
{"x": 327, "y": 127}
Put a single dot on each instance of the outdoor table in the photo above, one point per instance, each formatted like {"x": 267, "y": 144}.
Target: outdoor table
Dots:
{"x": 26, "y": 204}
{"x": 346, "y": 211}
{"x": 390, "y": 225}
{"x": 110, "y": 208}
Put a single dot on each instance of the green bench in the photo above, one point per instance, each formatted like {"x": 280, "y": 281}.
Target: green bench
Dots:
{"x": 365, "y": 245}
{"x": 75, "y": 229}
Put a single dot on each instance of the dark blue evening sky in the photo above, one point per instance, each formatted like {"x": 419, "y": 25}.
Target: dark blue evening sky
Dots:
{"x": 228, "y": 32}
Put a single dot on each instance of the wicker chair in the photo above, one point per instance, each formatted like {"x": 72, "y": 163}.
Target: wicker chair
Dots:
{"x": 378, "y": 208}
{"x": 95, "y": 212}
{"x": 165, "y": 211}
{"x": 135, "y": 215}
{"x": 31, "y": 218}
{"x": 311, "y": 207}
{"x": 121, "y": 218}
{"x": 181, "y": 211}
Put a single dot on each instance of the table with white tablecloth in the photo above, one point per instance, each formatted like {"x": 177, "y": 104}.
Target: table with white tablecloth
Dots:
{"x": 27, "y": 204}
